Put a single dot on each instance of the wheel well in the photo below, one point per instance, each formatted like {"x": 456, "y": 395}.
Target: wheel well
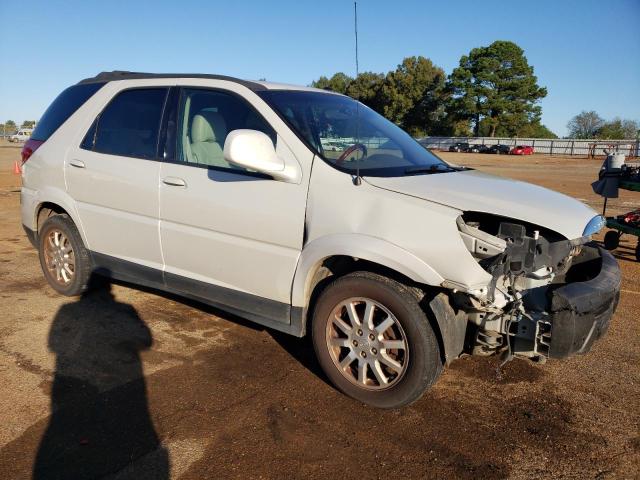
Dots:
{"x": 340, "y": 265}
{"x": 46, "y": 210}
{"x": 337, "y": 266}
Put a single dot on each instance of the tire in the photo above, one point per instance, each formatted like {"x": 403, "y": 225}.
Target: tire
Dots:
{"x": 419, "y": 359}
{"x": 64, "y": 259}
{"x": 611, "y": 240}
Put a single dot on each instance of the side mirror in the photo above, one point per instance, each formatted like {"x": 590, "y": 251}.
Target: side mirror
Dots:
{"x": 254, "y": 150}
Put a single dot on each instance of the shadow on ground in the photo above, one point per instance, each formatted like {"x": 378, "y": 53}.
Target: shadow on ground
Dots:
{"x": 100, "y": 419}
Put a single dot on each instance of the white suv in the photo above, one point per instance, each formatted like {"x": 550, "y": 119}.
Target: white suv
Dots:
{"x": 307, "y": 212}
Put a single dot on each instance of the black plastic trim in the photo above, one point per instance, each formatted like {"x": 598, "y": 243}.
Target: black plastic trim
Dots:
{"x": 167, "y": 138}
{"x": 269, "y": 313}
{"x": 256, "y": 308}
{"x": 31, "y": 235}
{"x": 126, "y": 271}
{"x": 580, "y": 312}
{"x": 124, "y": 75}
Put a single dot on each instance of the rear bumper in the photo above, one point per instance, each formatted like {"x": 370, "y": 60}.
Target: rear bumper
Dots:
{"x": 580, "y": 310}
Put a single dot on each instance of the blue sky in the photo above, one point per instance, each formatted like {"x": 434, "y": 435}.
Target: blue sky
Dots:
{"x": 587, "y": 53}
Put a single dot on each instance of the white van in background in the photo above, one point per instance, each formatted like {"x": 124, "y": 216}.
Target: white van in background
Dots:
{"x": 21, "y": 135}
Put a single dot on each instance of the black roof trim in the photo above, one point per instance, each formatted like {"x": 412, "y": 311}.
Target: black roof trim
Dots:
{"x": 115, "y": 75}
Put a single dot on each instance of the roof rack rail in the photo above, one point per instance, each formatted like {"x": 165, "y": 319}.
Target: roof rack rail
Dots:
{"x": 116, "y": 75}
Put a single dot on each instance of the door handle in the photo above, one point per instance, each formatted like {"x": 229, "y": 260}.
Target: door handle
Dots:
{"x": 174, "y": 181}
{"x": 77, "y": 163}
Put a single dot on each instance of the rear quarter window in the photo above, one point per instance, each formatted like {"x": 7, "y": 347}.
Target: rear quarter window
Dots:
{"x": 62, "y": 108}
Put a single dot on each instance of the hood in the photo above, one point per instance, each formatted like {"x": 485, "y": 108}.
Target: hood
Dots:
{"x": 471, "y": 190}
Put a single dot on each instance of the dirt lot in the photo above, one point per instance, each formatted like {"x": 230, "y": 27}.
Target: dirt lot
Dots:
{"x": 137, "y": 384}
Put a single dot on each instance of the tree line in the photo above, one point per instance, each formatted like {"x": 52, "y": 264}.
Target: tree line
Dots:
{"x": 9, "y": 127}
{"x": 492, "y": 92}
{"x": 591, "y": 125}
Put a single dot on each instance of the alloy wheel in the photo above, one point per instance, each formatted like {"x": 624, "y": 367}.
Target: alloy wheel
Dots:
{"x": 59, "y": 257}
{"x": 367, "y": 343}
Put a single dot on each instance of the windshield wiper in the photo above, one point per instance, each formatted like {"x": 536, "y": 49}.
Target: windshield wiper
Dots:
{"x": 429, "y": 169}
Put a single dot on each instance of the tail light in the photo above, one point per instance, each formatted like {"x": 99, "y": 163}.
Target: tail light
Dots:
{"x": 30, "y": 146}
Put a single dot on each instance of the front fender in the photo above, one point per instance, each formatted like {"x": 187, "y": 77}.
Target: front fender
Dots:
{"x": 359, "y": 246}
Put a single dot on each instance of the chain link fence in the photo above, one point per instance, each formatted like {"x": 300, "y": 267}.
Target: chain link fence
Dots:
{"x": 556, "y": 146}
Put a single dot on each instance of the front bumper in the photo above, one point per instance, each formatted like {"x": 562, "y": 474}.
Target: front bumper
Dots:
{"x": 580, "y": 309}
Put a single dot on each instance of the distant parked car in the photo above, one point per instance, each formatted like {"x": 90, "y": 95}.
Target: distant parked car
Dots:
{"x": 21, "y": 135}
{"x": 459, "y": 147}
{"x": 499, "y": 149}
{"x": 522, "y": 150}
{"x": 477, "y": 148}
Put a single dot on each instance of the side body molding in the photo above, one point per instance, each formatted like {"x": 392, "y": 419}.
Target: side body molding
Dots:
{"x": 360, "y": 246}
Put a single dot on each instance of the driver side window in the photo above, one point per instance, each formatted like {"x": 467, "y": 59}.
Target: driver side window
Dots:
{"x": 205, "y": 119}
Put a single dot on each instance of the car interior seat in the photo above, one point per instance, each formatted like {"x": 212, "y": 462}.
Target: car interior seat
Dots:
{"x": 208, "y": 133}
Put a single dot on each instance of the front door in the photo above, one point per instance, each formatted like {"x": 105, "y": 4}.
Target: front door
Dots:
{"x": 228, "y": 235}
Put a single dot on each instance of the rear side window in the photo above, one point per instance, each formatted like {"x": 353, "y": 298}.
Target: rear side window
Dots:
{"x": 129, "y": 125}
{"x": 62, "y": 108}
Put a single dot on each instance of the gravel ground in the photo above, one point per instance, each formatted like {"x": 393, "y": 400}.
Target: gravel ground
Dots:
{"x": 132, "y": 383}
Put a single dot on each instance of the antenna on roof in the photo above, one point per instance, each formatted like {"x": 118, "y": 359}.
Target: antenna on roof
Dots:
{"x": 355, "y": 21}
{"x": 357, "y": 180}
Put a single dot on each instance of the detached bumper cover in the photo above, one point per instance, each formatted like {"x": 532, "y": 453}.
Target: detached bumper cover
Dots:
{"x": 581, "y": 311}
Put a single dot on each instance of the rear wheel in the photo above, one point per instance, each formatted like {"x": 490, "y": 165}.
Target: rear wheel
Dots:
{"x": 63, "y": 257}
{"x": 374, "y": 341}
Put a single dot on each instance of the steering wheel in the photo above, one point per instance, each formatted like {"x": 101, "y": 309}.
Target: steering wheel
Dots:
{"x": 350, "y": 150}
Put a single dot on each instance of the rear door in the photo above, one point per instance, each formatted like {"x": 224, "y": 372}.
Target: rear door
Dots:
{"x": 113, "y": 177}
{"x": 228, "y": 235}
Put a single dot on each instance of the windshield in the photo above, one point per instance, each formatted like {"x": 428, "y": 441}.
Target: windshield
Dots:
{"x": 351, "y": 136}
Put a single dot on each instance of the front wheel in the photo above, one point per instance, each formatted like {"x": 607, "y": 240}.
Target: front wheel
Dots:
{"x": 374, "y": 341}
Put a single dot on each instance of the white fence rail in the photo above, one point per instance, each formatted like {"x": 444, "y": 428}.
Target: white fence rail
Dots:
{"x": 555, "y": 146}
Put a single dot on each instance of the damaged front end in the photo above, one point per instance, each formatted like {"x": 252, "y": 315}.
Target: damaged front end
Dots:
{"x": 549, "y": 297}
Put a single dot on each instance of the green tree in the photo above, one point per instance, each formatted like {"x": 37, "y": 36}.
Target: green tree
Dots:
{"x": 367, "y": 88}
{"x": 585, "y": 125}
{"x": 413, "y": 94}
{"x": 456, "y": 128}
{"x": 536, "y": 130}
{"x": 618, "y": 129}
{"x": 532, "y": 129}
{"x": 495, "y": 86}
{"x": 28, "y": 124}
{"x": 8, "y": 128}
{"x": 338, "y": 83}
